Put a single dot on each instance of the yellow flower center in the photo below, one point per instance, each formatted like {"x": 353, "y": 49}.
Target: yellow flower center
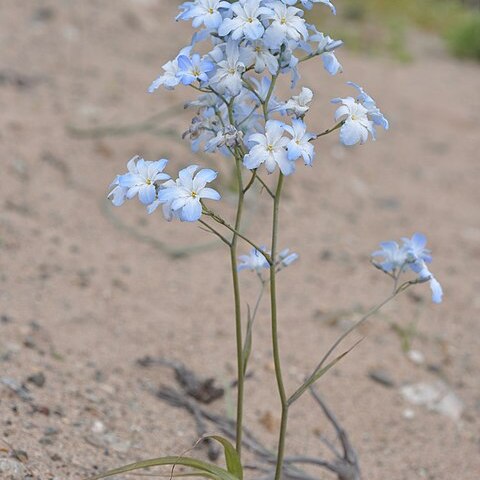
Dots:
{"x": 194, "y": 194}
{"x": 210, "y": 11}
{"x": 270, "y": 148}
{"x": 283, "y": 20}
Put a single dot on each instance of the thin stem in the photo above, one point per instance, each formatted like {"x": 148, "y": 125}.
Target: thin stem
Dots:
{"x": 200, "y": 89}
{"x": 250, "y": 87}
{"x": 238, "y": 309}
{"x": 275, "y": 344}
{"x": 330, "y": 130}
{"x": 248, "y": 116}
{"x": 236, "y": 289}
{"x": 356, "y": 325}
{"x": 236, "y": 233}
{"x": 259, "y": 299}
{"x": 251, "y": 320}
{"x": 265, "y": 186}
{"x": 250, "y": 183}
{"x": 269, "y": 95}
{"x": 215, "y": 232}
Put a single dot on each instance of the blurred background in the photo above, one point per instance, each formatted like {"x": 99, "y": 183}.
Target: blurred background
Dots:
{"x": 86, "y": 290}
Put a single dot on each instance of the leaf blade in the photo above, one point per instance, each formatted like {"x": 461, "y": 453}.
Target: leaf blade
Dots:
{"x": 212, "y": 470}
{"x": 232, "y": 459}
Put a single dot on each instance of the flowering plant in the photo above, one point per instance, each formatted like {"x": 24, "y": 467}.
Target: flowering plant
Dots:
{"x": 251, "y": 44}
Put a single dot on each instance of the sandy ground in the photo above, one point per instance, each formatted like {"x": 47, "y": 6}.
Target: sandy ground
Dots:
{"x": 86, "y": 290}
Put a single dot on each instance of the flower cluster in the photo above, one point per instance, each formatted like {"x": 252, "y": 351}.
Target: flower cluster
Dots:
{"x": 252, "y": 43}
{"x": 234, "y": 108}
{"x": 267, "y": 38}
{"x": 411, "y": 255}
{"x": 255, "y": 261}
{"x": 181, "y": 198}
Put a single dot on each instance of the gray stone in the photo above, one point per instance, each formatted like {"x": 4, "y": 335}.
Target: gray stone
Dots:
{"x": 11, "y": 469}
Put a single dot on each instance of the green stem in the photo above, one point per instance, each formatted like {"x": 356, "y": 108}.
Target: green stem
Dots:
{"x": 250, "y": 183}
{"x": 275, "y": 344}
{"x": 269, "y": 95}
{"x": 330, "y": 130}
{"x": 236, "y": 233}
{"x": 238, "y": 310}
{"x": 215, "y": 232}
{"x": 265, "y": 186}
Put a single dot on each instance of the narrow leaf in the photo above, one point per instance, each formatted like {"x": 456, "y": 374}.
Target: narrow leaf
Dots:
{"x": 247, "y": 347}
{"x": 203, "y": 467}
{"x": 232, "y": 459}
{"x": 317, "y": 374}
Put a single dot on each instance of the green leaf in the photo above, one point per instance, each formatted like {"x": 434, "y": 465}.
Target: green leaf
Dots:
{"x": 316, "y": 375}
{"x": 204, "y": 469}
{"x": 234, "y": 465}
{"x": 180, "y": 475}
{"x": 247, "y": 347}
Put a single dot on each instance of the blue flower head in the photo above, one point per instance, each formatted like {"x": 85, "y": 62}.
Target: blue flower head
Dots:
{"x": 413, "y": 255}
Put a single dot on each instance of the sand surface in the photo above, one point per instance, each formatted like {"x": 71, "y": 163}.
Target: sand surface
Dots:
{"x": 86, "y": 289}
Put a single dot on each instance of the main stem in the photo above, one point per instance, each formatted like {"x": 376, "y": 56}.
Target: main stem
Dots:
{"x": 238, "y": 308}
{"x": 276, "y": 349}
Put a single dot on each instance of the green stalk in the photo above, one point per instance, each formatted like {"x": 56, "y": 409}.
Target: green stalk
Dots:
{"x": 236, "y": 292}
{"x": 276, "y": 349}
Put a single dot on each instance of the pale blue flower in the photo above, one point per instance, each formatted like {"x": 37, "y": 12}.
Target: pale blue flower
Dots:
{"x": 437, "y": 291}
{"x": 299, "y": 105}
{"x": 369, "y": 103}
{"x": 183, "y": 196}
{"x": 300, "y": 145}
{"x": 413, "y": 255}
{"x": 263, "y": 58}
{"x": 262, "y": 89}
{"x": 289, "y": 62}
{"x": 118, "y": 194}
{"x": 143, "y": 179}
{"x": 287, "y": 257}
{"x": 425, "y": 275}
{"x": 204, "y": 12}
{"x": 228, "y": 136}
{"x": 231, "y": 62}
{"x": 255, "y": 261}
{"x": 169, "y": 78}
{"x": 356, "y": 124}
{"x": 394, "y": 258}
{"x": 194, "y": 68}
{"x": 416, "y": 251}
{"x": 269, "y": 149}
{"x": 287, "y": 24}
{"x": 360, "y": 116}
{"x": 246, "y": 20}
{"x": 308, "y": 4}
{"x": 326, "y": 49}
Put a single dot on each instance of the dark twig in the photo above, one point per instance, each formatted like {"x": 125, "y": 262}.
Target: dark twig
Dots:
{"x": 347, "y": 468}
{"x": 345, "y": 465}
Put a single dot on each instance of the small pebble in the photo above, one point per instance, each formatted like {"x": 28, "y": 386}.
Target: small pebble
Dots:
{"x": 408, "y": 414}
{"x": 382, "y": 377}
{"x": 46, "y": 441}
{"x": 416, "y": 357}
{"x": 49, "y": 431}
{"x": 38, "y": 379}
{"x": 11, "y": 469}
